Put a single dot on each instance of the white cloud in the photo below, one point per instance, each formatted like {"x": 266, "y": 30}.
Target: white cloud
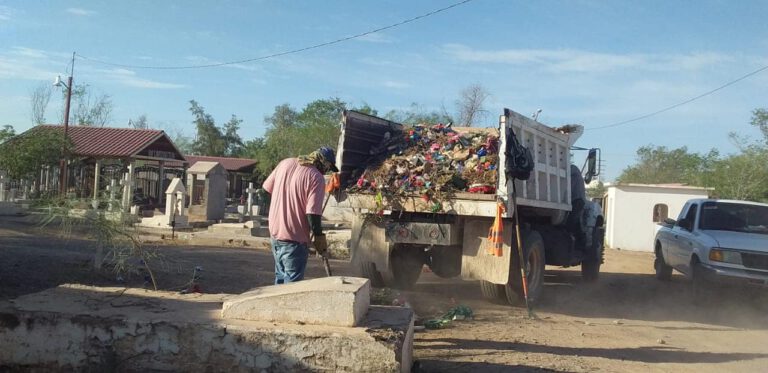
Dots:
{"x": 129, "y": 78}
{"x": 396, "y": 84}
{"x": 80, "y": 12}
{"x": 5, "y": 13}
{"x": 29, "y": 52}
{"x": 572, "y": 60}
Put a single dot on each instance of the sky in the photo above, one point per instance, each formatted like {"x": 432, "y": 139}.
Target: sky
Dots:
{"x": 593, "y": 63}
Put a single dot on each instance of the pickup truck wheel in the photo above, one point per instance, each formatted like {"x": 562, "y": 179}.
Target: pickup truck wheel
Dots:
{"x": 533, "y": 253}
{"x": 701, "y": 288}
{"x": 368, "y": 270}
{"x": 663, "y": 271}
{"x": 406, "y": 263}
{"x": 590, "y": 266}
{"x": 492, "y": 292}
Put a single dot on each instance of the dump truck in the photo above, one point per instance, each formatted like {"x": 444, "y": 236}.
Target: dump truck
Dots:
{"x": 392, "y": 240}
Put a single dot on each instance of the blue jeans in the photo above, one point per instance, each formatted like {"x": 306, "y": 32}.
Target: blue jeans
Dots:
{"x": 290, "y": 260}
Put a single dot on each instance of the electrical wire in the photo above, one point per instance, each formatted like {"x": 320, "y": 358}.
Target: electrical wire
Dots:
{"x": 279, "y": 54}
{"x": 668, "y": 108}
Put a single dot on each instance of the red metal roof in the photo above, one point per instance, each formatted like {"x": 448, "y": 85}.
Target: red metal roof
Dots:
{"x": 107, "y": 142}
{"x": 230, "y": 164}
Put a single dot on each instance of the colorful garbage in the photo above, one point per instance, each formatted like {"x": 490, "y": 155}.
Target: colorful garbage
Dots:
{"x": 434, "y": 160}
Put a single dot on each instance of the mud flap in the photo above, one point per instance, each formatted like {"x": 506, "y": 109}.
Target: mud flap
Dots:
{"x": 368, "y": 244}
{"x": 476, "y": 262}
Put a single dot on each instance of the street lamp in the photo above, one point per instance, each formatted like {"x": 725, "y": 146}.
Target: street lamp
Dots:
{"x": 63, "y": 164}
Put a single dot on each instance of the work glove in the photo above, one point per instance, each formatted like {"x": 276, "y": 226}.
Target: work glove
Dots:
{"x": 320, "y": 244}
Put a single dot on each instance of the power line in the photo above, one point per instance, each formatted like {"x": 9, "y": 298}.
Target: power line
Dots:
{"x": 668, "y": 108}
{"x": 298, "y": 50}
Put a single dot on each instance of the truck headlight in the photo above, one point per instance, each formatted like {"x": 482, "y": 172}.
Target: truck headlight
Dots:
{"x": 725, "y": 256}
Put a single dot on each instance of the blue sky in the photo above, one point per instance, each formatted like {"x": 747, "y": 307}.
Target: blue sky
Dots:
{"x": 589, "y": 62}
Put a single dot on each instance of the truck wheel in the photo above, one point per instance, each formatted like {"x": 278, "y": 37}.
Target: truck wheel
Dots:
{"x": 492, "y": 292}
{"x": 590, "y": 266}
{"x": 533, "y": 253}
{"x": 701, "y": 289}
{"x": 663, "y": 271}
{"x": 368, "y": 270}
{"x": 445, "y": 261}
{"x": 406, "y": 263}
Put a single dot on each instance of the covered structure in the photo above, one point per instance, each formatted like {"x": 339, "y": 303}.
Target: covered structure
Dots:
{"x": 633, "y": 211}
{"x": 240, "y": 171}
{"x": 136, "y": 158}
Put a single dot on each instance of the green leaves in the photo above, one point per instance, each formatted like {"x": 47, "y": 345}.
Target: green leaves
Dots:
{"x": 24, "y": 155}
{"x": 212, "y": 140}
{"x": 293, "y": 133}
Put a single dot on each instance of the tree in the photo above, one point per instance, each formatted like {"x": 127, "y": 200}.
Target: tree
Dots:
{"x": 139, "y": 123}
{"x": 209, "y": 139}
{"x": 417, "y": 114}
{"x": 6, "y": 133}
{"x": 183, "y": 142}
{"x": 742, "y": 176}
{"x": 89, "y": 109}
{"x": 23, "y": 156}
{"x": 470, "y": 104}
{"x": 293, "y": 133}
{"x": 232, "y": 139}
{"x": 284, "y": 116}
{"x": 214, "y": 141}
{"x": 760, "y": 120}
{"x": 39, "y": 99}
{"x": 596, "y": 190}
{"x": 659, "y": 165}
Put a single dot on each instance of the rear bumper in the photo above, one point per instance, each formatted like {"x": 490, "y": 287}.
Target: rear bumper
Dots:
{"x": 735, "y": 276}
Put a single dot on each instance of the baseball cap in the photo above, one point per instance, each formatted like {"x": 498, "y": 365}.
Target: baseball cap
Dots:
{"x": 329, "y": 156}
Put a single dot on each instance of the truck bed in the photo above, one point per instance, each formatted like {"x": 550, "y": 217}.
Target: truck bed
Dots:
{"x": 548, "y": 188}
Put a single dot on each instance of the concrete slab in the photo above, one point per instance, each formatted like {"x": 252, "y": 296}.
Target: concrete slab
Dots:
{"x": 76, "y": 328}
{"x": 338, "y": 300}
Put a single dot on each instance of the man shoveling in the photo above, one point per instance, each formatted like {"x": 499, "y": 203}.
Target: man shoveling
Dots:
{"x": 297, "y": 187}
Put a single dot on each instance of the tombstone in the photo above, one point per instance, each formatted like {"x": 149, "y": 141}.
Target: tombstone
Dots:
{"x": 112, "y": 188}
{"x": 208, "y": 189}
{"x": 24, "y": 190}
{"x": 175, "y": 212}
{"x": 249, "y": 204}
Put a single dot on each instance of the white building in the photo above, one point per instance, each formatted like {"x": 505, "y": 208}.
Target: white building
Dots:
{"x": 633, "y": 211}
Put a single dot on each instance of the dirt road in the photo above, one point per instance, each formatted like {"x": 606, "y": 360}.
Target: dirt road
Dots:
{"x": 627, "y": 321}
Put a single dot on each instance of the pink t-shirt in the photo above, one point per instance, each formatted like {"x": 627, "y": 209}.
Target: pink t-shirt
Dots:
{"x": 296, "y": 191}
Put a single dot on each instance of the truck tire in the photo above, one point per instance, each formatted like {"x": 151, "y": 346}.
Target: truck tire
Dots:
{"x": 445, "y": 261}
{"x": 533, "y": 253}
{"x": 702, "y": 289}
{"x": 590, "y": 266}
{"x": 406, "y": 263}
{"x": 368, "y": 270}
{"x": 492, "y": 292}
{"x": 663, "y": 271}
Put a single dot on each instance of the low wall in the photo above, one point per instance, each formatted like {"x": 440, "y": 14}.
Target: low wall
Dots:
{"x": 75, "y": 327}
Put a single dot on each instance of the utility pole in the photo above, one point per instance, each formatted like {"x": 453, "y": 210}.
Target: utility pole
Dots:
{"x": 63, "y": 165}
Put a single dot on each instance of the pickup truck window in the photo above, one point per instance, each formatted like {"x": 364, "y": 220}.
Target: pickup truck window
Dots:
{"x": 690, "y": 216}
{"x": 734, "y": 217}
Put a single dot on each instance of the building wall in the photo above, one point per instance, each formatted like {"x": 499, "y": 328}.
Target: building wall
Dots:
{"x": 630, "y": 213}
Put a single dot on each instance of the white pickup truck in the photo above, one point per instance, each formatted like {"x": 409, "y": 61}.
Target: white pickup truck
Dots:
{"x": 715, "y": 241}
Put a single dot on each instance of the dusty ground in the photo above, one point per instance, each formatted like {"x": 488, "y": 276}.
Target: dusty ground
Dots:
{"x": 627, "y": 321}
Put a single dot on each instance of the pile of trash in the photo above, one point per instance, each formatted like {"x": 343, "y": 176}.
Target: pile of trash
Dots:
{"x": 434, "y": 160}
